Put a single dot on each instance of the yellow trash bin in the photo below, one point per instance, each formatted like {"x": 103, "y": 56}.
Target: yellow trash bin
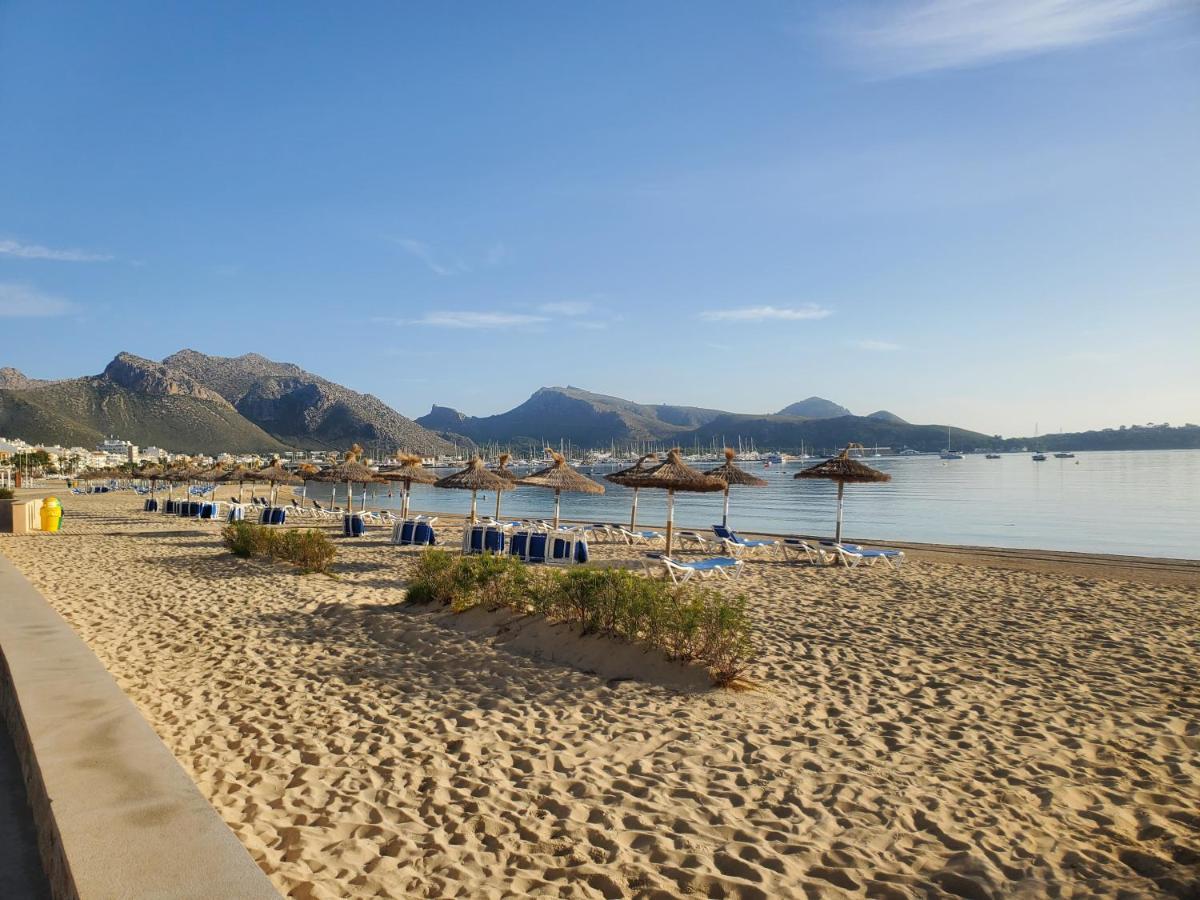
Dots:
{"x": 51, "y": 514}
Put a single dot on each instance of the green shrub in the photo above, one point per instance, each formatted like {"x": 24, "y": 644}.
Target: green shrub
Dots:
{"x": 686, "y": 622}
{"x": 7, "y": 493}
{"x": 309, "y": 549}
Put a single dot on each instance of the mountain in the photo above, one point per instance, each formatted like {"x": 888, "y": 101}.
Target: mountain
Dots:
{"x": 883, "y": 415}
{"x": 302, "y": 409}
{"x": 815, "y": 408}
{"x": 138, "y": 399}
{"x": 191, "y": 402}
{"x": 572, "y": 414}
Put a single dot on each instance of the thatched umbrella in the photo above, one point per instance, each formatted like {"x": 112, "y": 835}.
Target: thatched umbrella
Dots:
{"x": 731, "y": 475}
{"x": 241, "y": 474}
{"x": 177, "y": 474}
{"x": 213, "y": 474}
{"x": 350, "y": 471}
{"x": 507, "y": 474}
{"x": 559, "y": 477}
{"x": 844, "y": 470}
{"x": 151, "y": 473}
{"x": 275, "y": 474}
{"x": 409, "y": 472}
{"x": 629, "y": 478}
{"x": 676, "y": 475}
{"x": 306, "y": 471}
{"x": 474, "y": 478}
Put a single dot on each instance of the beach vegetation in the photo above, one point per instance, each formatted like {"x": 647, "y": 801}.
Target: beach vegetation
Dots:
{"x": 685, "y": 622}
{"x": 309, "y": 549}
{"x": 7, "y": 493}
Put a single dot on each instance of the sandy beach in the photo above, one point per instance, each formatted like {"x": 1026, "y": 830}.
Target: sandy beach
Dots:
{"x": 968, "y": 727}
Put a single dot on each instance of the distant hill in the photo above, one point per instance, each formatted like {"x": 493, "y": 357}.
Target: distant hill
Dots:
{"x": 587, "y": 419}
{"x": 572, "y": 414}
{"x": 303, "y": 409}
{"x": 192, "y": 402}
{"x": 789, "y": 433}
{"x": 815, "y": 408}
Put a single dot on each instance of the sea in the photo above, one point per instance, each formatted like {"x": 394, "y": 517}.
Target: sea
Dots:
{"x": 1137, "y": 503}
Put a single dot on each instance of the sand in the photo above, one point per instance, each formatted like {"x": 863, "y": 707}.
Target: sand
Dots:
{"x": 948, "y": 730}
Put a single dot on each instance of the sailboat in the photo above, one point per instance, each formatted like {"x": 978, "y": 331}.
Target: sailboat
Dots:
{"x": 948, "y": 453}
{"x": 1039, "y": 456}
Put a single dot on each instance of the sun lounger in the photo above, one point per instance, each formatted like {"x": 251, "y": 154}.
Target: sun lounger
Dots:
{"x": 414, "y": 532}
{"x": 682, "y": 572}
{"x": 687, "y": 538}
{"x": 851, "y": 555}
{"x": 482, "y": 539}
{"x": 738, "y": 545}
{"x": 639, "y": 537}
{"x": 815, "y": 554}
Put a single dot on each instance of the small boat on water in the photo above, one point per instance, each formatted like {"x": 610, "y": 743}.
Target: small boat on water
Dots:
{"x": 948, "y": 453}
{"x": 1039, "y": 457}
{"x": 1062, "y": 454}
{"x": 992, "y": 456}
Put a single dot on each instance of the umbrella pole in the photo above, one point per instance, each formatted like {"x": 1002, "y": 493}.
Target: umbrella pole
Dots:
{"x": 404, "y": 503}
{"x": 349, "y": 499}
{"x": 333, "y": 496}
{"x": 725, "y": 514}
{"x": 498, "y": 493}
{"x": 841, "y": 488}
{"x": 472, "y": 507}
{"x": 633, "y": 514}
{"x": 557, "y": 496}
{"x": 670, "y": 519}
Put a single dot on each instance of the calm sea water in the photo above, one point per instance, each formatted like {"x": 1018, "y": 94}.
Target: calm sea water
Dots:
{"x": 1144, "y": 503}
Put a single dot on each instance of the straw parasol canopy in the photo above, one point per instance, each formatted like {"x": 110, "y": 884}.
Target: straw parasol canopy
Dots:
{"x": 152, "y": 473}
{"x": 241, "y": 474}
{"x": 675, "y": 475}
{"x": 474, "y": 478}
{"x": 559, "y": 477}
{"x": 178, "y": 473}
{"x": 731, "y": 475}
{"x": 844, "y": 470}
{"x": 212, "y": 474}
{"x": 504, "y": 472}
{"x": 275, "y": 474}
{"x": 630, "y": 478}
{"x": 409, "y": 472}
{"x": 350, "y": 471}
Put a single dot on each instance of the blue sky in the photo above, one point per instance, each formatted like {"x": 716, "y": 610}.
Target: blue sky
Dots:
{"x": 961, "y": 210}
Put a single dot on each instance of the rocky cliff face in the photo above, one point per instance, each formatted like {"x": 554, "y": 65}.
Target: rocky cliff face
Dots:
{"x": 14, "y": 380}
{"x": 303, "y": 409}
{"x": 144, "y": 376}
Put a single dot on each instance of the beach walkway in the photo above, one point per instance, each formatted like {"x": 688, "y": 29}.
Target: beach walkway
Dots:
{"x": 21, "y": 875}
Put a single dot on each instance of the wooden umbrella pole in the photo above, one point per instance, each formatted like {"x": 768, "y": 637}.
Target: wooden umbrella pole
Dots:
{"x": 473, "y": 507}
{"x": 349, "y": 499}
{"x": 498, "y": 494}
{"x": 404, "y": 502}
{"x": 725, "y": 513}
{"x": 841, "y": 489}
{"x": 557, "y": 496}
{"x": 633, "y": 514}
{"x": 670, "y": 519}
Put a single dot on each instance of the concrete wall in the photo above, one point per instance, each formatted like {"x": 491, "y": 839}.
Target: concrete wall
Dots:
{"x": 116, "y": 816}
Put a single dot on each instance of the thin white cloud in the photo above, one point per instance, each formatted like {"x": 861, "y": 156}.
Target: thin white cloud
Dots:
{"x": 9, "y": 247}
{"x": 567, "y": 308}
{"x": 926, "y": 35}
{"x": 24, "y": 302}
{"x": 875, "y": 346}
{"x": 425, "y": 254}
{"x": 767, "y": 313}
{"x": 464, "y": 319}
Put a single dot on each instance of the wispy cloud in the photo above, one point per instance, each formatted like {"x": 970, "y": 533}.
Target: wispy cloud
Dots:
{"x": 466, "y": 319}
{"x": 9, "y": 247}
{"x": 567, "y": 308}
{"x": 422, "y": 251}
{"x": 23, "y": 301}
{"x": 875, "y": 346}
{"x": 925, "y": 35}
{"x": 766, "y": 313}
